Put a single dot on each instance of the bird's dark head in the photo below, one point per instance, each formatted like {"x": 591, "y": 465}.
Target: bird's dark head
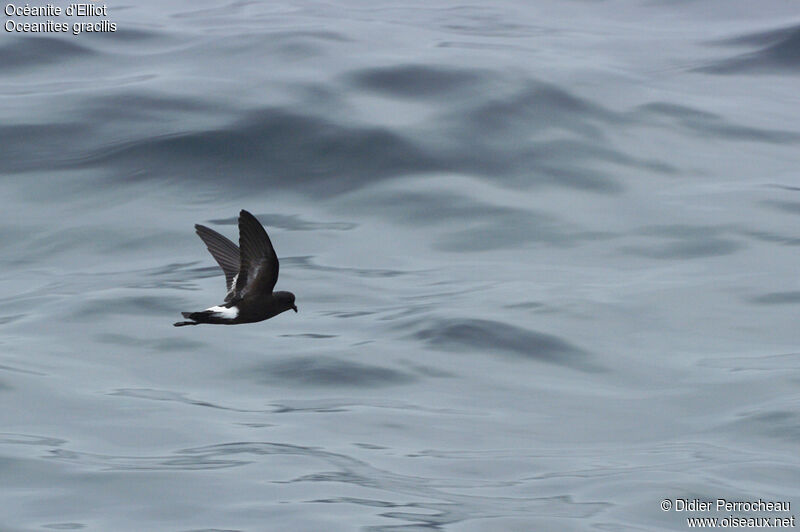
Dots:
{"x": 286, "y": 299}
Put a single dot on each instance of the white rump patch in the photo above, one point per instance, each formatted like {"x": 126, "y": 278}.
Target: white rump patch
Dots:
{"x": 225, "y": 312}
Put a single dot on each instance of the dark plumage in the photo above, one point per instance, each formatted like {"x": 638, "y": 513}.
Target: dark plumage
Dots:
{"x": 251, "y": 271}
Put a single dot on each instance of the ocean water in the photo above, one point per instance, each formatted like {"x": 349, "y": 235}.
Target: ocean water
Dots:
{"x": 545, "y": 256}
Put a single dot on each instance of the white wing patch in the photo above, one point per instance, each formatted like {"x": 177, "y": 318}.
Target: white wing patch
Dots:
{"x": 225, "y": 312}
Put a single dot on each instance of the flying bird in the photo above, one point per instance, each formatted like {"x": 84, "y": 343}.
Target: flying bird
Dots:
{"x": 251, "y": 271}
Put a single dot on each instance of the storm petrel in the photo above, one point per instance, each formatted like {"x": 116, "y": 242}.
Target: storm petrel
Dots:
{"x": 251, "y": 271}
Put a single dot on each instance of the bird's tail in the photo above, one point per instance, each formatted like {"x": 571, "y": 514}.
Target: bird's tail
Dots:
{"x": 186, "y": 315}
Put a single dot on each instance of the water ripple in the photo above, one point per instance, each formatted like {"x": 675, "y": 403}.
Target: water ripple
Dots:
{"x": 447, "y": 506}
{"x": 491, "y": 337}
{"x": 315, "y": 371}
{"x": 779, "y": 53}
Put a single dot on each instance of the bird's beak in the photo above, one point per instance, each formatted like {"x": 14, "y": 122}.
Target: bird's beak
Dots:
{"x": 294, "y": 307}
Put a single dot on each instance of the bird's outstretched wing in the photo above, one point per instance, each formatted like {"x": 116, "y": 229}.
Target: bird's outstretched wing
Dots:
{"x": 258, "y": 270}
{"x": 225, "y": 252}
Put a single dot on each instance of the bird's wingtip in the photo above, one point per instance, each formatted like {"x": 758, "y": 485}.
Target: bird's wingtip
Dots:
{"x": 244, "y": 213}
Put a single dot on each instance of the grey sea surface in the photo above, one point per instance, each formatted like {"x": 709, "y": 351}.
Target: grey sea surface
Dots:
{"x": 546, "y": 257}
